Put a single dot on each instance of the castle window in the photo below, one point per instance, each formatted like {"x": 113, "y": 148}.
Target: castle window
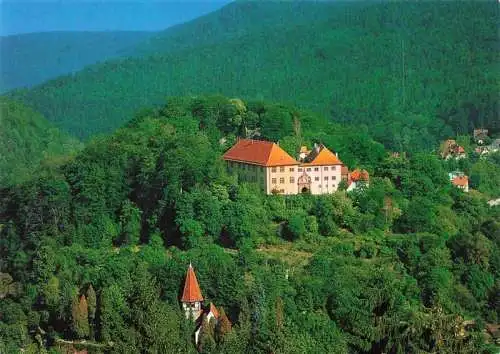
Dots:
{"x": 282, "y": 180}
{"x": 326, "y": 178}
{"x": 282, "y": 169}
{"x": 316, "y": 178}
{"x": 300, "y": 169}
{"x": 316, "y": 168}
{"x": 273, "y": 180}
{"x": 334, "y": 177}
{"x": 334, "y": 168}
{"x": 292, "y": 169}
{"x": 308, "y": 169}
{"x": 273, "y": 169}
{"x": 292, "y": 180}
{"x": 325, "y": 168}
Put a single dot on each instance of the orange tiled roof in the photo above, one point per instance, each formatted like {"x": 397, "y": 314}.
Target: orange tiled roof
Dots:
{"x": 323, "y": 157}
{"x": 460, "y": 181}
{"x": 259, "y": 152}
{"x": 358, "y": 174}
{"x": 192, "y": 292}
{"x": 214, "y": 310}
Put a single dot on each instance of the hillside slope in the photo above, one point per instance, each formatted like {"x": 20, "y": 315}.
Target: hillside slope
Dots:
{"x": 30, "y": 59}
{"x": 427, "y": 69}
{"x": 25, "y": 139}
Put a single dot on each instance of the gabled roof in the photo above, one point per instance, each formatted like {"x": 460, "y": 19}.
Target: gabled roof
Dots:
{"x": 213, "y": 310}
{"x": 460, "y": 181}
{"x": 321, "y": 156}
{"x": 358, "y": 174}
{"x": 259, "y": 152}
{"x": 192, "y": 292}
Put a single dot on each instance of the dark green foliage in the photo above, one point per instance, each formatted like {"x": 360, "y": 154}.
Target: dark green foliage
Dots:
{"x": 412, "y": 73}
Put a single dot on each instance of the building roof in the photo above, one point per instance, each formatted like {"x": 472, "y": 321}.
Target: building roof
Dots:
{"x": 358, "y": 174}
{"x": 322, "y": 156}
{"x": 460, "y": 181}
{"x": 192, "y": 292}
{"x": 213, "y": 310}
{"x": 259, "y": 152}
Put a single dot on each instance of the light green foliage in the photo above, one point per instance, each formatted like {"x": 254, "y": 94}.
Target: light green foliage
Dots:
{"x": 26, "y": 139}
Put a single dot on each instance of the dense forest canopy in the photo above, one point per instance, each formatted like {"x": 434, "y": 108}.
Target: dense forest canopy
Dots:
{"x": 26, "y": 138}
{"x": 412, "y": 73}
{"x": 96, "y": 247}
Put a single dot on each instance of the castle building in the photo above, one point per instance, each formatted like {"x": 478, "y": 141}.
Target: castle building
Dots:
{"x": 317, "y": 171}
{"x": 320, "y": 171}
{"x": 265, "y": 163}
{"x": 192, "y": 304}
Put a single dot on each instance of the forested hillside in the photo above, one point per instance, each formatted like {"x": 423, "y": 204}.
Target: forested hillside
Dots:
{"x": 94, "y": 250}
{"x": 413, "y": 73}
{"x": 26, "y": 138}
{"x": 30, "y": 59}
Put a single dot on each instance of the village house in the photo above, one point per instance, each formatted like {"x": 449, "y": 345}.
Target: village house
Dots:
{"x": 192, "y": 304}
{"x": 357, "y": 178}
{"x": 317, "y": 171}
{"x": 480, "y": 136}
{"x": 450, "y": 149}
{"x": 459, "y": 180}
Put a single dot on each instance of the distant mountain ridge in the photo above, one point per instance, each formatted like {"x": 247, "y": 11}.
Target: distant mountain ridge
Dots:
{"x": 30, "y": 59}
{"x": 394, "y": 68}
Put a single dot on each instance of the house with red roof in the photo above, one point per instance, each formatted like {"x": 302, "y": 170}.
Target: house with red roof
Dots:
{"x": 459, "y": 180}
{"x": 357, "y": 178}
{"x": 450, "y": 149}
{"x": 192, "y": 304}
{"x": 317, "y": 171}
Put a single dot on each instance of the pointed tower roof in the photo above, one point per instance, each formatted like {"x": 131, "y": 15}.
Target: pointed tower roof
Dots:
{"x": 192, "y": 292}
{"x": 214, "y": 310}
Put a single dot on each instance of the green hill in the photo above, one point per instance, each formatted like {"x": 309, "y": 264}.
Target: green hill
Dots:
{"x": 30, "y": 59}
{"x": 94, "y": 252}
{"x": 412, "y": 73}
{"x": 26, "y": 138}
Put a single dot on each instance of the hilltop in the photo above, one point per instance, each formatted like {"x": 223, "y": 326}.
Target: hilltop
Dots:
{"x": 412, "y": 73}
{"x": 93, "y": 251}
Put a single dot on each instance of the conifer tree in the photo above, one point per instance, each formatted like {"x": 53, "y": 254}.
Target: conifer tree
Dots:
{"x": 80, "y": 315}
{"x": 223, "y": 326}
{"x": 92, "y": 304}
